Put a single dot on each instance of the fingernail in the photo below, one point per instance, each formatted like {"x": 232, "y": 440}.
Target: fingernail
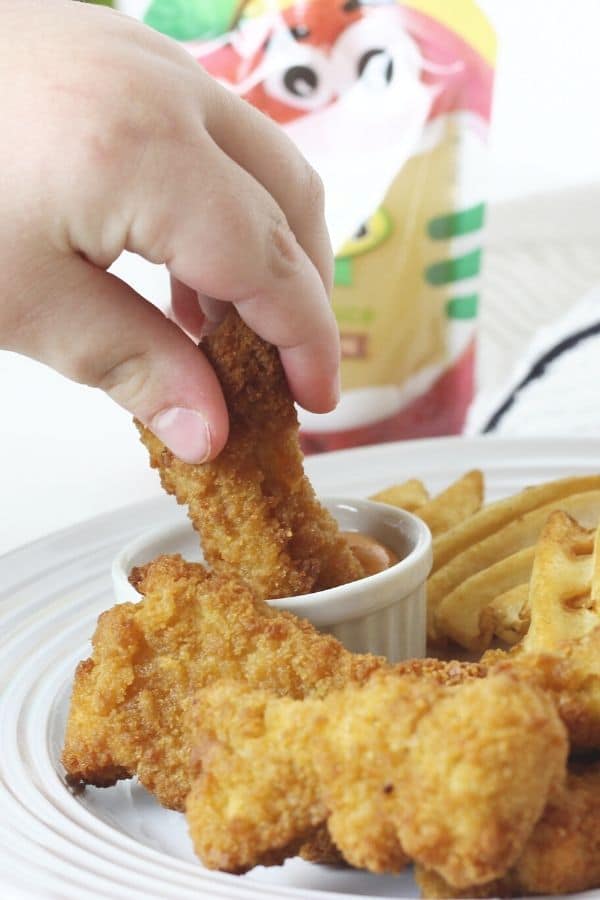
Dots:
{"x": 185, "y": 432}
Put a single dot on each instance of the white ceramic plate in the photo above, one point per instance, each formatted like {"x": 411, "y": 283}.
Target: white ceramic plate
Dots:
{"x": 118, "y": 843}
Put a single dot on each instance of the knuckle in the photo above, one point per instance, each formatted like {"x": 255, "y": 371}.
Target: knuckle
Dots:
{"x": 115, "y": 135}
{"x": 151, "y": 235}
{"x": 284, "y": 257}
{"x": 313, "y": 191}
{"x": 128, "y": 381}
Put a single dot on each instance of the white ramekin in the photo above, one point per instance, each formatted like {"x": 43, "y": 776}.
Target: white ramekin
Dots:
{"x": 384, "y": 613}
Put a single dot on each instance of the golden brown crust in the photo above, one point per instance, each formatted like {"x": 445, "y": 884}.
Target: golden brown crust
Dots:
{"x": 255, "y": 510}
{"x": 441, "y": 671}
{"x": 321, "y": 849}
{"x": 398, "y": 767}
{"x": 192, "y": 628}
{"x": 571, "y": 676}
{"x": 561, "y": 856}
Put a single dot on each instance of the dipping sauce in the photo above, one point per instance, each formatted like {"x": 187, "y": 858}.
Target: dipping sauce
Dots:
{"x": 373, "y": 556}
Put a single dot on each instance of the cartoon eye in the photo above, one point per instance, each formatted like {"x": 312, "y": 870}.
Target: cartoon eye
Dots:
{"x": 300, "y": 32}
{"x": 376, "y": 66}
{"x": 376, "y": 53}
{"x": 301, "y": 81}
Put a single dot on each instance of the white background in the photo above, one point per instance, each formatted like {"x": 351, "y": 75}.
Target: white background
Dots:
{"x": 546, "y": 122}
{"x": 68, "y": 453}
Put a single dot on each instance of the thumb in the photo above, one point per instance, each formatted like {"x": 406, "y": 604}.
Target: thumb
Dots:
{"x": 95, "y": 329}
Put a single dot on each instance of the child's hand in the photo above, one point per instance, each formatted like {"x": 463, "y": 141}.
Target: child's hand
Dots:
{"x": 113, "y": 138}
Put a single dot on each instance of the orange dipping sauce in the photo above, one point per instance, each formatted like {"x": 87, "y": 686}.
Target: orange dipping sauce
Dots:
{"x": 373, "y": 556}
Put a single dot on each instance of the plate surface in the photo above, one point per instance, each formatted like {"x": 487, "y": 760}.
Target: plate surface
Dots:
{"x": 118, "y": 843}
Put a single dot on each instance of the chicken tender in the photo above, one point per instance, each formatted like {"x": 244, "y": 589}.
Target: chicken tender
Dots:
{"x": 255, "y": 510}
{"x": 129, "y": 703}
{"x": 561, "y": 856}
{"x": 399, "y": 767}
{"x": 570, "y": 675}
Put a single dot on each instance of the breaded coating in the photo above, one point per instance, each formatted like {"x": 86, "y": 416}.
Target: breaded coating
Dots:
{"x": 443, "y": 671}
{"x": 399, "y": 767}
{"x": 571, "y": 676}
{"x": 129, "y": 703}
{"x": 255, "y": 510}
{"x": 561, "y": 856}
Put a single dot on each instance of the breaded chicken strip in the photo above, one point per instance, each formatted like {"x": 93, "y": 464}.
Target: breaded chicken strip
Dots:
{"x": 127, "y": 713}
{"x": 254, "y": 508}
{"x": 571, "y": 676}
{"x": 561, "y": 856}
{"x": 398, "y": 767}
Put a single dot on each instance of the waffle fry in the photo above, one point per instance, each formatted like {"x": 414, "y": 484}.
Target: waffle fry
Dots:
{"x": 518, "y": 534}
{"x": 466, "y": 614}
{"x": 408, "y": 495}
{"x": 510, "y": 614}
{"x": 564, "y": 592}
{"x": 460, "y": 500}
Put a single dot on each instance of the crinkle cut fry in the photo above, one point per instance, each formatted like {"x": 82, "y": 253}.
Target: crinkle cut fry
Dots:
{"x": 456, "y": 503}
{"x": 497, "y": 515}
{"x": 398, "y": 767}
{"x": 408, "y": 495}
{"x": 459, "y": 501}
{"x": 127, "y": 713}
{"x": 255, "y": 510}
{"x": 522, "y": 532}
{"x": 561, "y": 856}
{"x": 468, "y": 614}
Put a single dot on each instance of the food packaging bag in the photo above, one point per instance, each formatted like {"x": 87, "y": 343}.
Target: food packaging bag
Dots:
{"x": 390, "y": 102}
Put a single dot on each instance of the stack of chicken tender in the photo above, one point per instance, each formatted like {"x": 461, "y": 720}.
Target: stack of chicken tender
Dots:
{"x": 275, "y": 740}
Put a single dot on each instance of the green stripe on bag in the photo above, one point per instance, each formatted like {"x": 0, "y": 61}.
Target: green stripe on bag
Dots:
{"x": 188, "y": 20}
{"x": 462, "y": 307}
{"x": 455, "y": 224}
{"x": 343, "y": 271}
{"x": 454, "y": 269}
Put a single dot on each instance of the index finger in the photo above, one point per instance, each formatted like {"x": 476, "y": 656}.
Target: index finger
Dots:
{"x": 222, "y": 234}
{"x": 263, "y": 149}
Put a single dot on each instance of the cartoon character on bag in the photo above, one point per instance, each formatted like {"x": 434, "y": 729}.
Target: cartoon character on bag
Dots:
{"x": 385, "y": 103}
